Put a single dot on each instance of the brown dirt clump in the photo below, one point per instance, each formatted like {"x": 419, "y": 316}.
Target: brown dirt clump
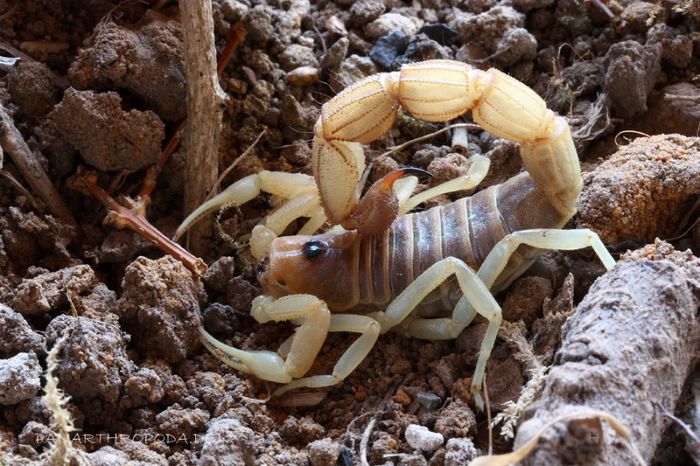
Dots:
{"x": 643, "y": 190}
{"x": 159, "y": 307}
{"x": 637, "y": 327}
{"x": 147, "y": 61}
{"x": 107, "y": 137}
{"x": 92, "y": 362}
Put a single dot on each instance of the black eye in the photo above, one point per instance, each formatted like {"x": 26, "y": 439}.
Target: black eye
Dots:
{"x": 313, "y": 249}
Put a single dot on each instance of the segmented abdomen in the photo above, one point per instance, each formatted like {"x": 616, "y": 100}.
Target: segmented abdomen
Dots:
{"x": 467, "y": 229}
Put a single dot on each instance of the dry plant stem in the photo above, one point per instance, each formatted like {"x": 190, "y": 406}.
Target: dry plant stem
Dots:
{"x": 121, "y": 217}
{"x": 637, "y": 327}
{"x": 28, "y": 165}
{"x": 364, "y": 442}
{"x": 236, "y": 38}
{"x": 205, "y": 106}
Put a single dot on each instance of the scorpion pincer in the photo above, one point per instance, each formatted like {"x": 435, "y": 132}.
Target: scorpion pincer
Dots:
{"x": 392, "y": 260}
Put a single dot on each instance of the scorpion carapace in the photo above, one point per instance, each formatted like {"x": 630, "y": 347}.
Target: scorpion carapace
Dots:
{"x": 498, "y": 231}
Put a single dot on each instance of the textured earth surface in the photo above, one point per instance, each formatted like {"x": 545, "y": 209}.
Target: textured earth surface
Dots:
{"x": 101, "y": 84}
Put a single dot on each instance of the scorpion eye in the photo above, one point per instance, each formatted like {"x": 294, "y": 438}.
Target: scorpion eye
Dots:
{"x": 312, "y": 249}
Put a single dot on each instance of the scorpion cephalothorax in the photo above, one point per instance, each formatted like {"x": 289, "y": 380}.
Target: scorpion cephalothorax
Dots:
{"x": 498, "y": 231}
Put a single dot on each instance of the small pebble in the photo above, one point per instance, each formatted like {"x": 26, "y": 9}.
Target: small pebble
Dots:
{"x": 420, "y": 438}
{"x": 440, "y": 33}
{"x": 303, "y": 76}
{"x": 429, "y": 400}
{"x": 390, "y": 22}
{"x": 388, "y": 48}
{"x": 459, "y": 451}
{"x": 336, "y": 53}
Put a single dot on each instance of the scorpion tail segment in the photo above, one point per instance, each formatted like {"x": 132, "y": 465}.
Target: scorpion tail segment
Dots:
{"x": 238, "y": 193}
{"x": 379, "y": 207}
{"x": 337, "y": 167}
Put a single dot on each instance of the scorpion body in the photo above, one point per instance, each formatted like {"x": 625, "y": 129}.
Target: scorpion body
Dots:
{"x": 398, "y": 263}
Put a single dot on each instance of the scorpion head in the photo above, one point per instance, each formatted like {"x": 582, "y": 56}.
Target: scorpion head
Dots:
{"x": 321, "y": 265}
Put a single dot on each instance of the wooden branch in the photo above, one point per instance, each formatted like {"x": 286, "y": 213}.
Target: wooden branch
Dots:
{"x": 205, "y": 105}
{"x": 130, "y": 217}
{"x": 28, "y": 165}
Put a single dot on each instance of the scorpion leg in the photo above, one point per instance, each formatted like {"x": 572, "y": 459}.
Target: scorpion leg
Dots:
{"x": 542, "y": 238}
{"x": 353, "y": 356}
{"x": 477, "y": 172}
{"x": 475, "y": 292}
{"x": 299, "y": 191}
{"x": 312, "y": 316}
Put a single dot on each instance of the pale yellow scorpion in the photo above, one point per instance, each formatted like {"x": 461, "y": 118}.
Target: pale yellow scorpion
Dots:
{"x": 387, "y": 258}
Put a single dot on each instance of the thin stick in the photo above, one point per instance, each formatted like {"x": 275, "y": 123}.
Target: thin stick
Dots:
{"x": 488, "y": 415}
{"x": 236, "y": 38}
{"x": 122, "y": 217}
{"x": 428, "y": 136}
{"x": 19, "y": 187}
{"x": 460, "y": 140}
{"x": 245, "y": 153}
{"x": 365, "y": 441}
{"x": 205, "y": 105}
{"x": 28, "y": 165}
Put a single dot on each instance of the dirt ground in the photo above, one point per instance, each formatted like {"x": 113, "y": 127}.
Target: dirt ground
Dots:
{"x": 101, "y": 84}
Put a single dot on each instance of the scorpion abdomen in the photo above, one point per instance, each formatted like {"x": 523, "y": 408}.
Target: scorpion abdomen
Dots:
{"x": 467, "y": 229}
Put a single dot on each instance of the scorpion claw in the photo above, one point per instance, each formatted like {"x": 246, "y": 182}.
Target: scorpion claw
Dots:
{"x": 379, "y": 207}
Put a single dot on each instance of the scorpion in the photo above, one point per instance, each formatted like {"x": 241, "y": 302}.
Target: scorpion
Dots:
{"x": 382, "y": 256}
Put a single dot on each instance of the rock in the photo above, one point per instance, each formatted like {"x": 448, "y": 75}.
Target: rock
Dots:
{"x": 643, "y": 190}
{"x": 423, "y": 48}
{"x": 429, "y": 400}
{"x": 440, "y": 33}
{"x": 19, "y": 378}
{"x": 632, "y": 69}
{"x": 92, "y": 362}
{"x": 516, "y": 45}
{"x": 178, "y": 421}
{"x": 351, "y": 70}
{"x": 107, "y": 137}
{"x": 49, "y": 291}
{"x": 639, "y": 16}
{"x": 336, "y": 53}
{"x": 673, "y": 110}
{"x": 301, "y": 430}
{"x": 145, "y": 60}
{"x": 304, "y": 76}
{"x": 420, "y": 438}
{"x": 31, "y": 85}
{"x": 234, "y": 10}
{"x": 323, "y": 452}
{"x": 388, "y": 48}
{"x": 456, "y": 419}
{"x": 297, "y": 55}
{"x": 159, "y": 307}
{"x": 258, "y": 24}
{"x": 364, "y": 11}
{"x": 16, "y": 336}
{"x": 460, "y": 451}
{"x": 227, "y": 442}
{"x": 677, "y": 48}
{"x": 392, "y": 22}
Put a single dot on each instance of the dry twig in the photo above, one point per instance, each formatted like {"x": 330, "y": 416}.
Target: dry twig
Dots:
{"x": 28, "y": 165}
{"x": 129, "y": 217}
{"x": 205, "y": 106}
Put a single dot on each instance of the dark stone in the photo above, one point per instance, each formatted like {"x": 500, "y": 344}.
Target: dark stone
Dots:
{"x": 429, "y": 400}
{"x": 388, "y": 48}
{"x": 440, "y": 33}
{"x": 345, "y": 457}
